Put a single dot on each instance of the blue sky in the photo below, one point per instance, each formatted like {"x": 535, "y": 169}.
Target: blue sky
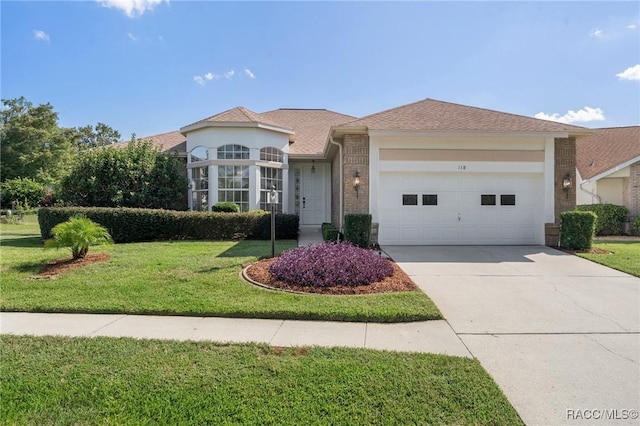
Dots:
{"x": 151, "y": 66}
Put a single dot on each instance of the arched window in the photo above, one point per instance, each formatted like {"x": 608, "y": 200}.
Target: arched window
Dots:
{"x": 233, "y": 152}
{"x": 199, "y": 153}
{"x": 271, "y": 154}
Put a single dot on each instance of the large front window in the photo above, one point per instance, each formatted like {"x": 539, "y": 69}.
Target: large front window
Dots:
{"x": 233, "y": 185}
{"x": 233, "y": 152}
{"x": 200, "y": 187}
{"x": 268, "y": 178}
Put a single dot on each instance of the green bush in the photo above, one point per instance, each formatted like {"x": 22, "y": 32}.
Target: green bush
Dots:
{"x": 636, "y": 224}
{"x": 610, "y": 217}
{"x": 78, "y": 234}
{"x": 128, "y": 225}
{"x": 21, "y": 193}
{"x": 226, "y": 207}
{"x": 577, "y": 229}
{"x": 329, "y": 232}
{"x": 357, "y": 229}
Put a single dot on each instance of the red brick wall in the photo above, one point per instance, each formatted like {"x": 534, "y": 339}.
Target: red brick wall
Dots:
{"x": 356, "y": 158}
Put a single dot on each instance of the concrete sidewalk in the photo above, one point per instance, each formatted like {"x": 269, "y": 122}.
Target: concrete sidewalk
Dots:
{"x": 426, "y": 336}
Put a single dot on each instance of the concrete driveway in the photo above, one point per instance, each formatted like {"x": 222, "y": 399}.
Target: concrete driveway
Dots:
{"x": 559, "y": 334}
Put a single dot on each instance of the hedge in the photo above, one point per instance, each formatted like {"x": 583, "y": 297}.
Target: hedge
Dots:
{"x": 636, "y": 223}
{"x": 127, "y": 225}
{"x": 577, "y": 229}
{"x": 357, "y": 229}
{"x": 329, "y": 232}
{"x": 226, "y": 207}
{"x": 610, "y": 217}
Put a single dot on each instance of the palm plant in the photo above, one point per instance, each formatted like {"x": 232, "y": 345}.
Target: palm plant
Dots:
{"x": 78, "y": 234}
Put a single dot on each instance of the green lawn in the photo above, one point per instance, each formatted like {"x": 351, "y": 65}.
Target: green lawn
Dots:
{"x": 178, "y": 278}
{"x": 58, "y": 380}
{"x": 625, "y": 256}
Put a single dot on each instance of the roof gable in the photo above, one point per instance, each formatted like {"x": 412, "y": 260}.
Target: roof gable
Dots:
{"x": 434, "y": 115}
{"x": 238, "y": 116}
{"x": 605, "y": 149}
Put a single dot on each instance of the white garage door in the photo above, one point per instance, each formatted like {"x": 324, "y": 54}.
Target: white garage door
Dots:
{"x": 458, "y": 209}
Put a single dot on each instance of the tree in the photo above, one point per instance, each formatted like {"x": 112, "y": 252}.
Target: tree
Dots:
{"x": 78, "y": 234}
{"x": 136, "y": 175}
{"x": 102, "y": 135}
{"x": 21, "y": 192}
{"x": 32, "y": 144}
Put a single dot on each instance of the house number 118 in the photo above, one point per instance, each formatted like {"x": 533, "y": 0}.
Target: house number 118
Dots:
{"x": 462, "y": 167}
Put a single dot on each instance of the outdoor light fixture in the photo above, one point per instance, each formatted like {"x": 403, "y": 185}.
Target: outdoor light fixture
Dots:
{"x": 566, "y": 184}
{"x": 356, "y": 182}
{"x": 313, "y": 166}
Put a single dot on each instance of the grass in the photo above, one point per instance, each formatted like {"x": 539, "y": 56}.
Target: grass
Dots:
{"x": 625, "y": 256}
{"x": 198, "y": 278}
{"x": 59, "y": 380}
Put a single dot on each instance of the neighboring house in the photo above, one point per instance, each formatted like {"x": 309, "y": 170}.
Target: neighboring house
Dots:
{"x": 430, "y": 172}
{"x": 608, "y": 164}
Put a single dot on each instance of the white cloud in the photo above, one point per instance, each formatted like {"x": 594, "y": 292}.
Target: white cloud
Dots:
{"x": 198, "y": 80}
{"x": 597, "y": 33}
{"x": 161, "y": 39}
{"x": 631, "y": 73}
{"x": 211, "y": 76}
{"x": 132, "y": 37}
{"x": 583, "y": 115}
{"x": 131, "y": 8}
{"x": 632, "y": 26}
{"x": 249, "y": 73}
{"x": 229, "y": 74}
{"x": 41, "y": 35}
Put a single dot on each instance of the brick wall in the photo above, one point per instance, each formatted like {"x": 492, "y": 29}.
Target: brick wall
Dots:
{"x": 565, "y": 163}
{"x": 356, "y": 158}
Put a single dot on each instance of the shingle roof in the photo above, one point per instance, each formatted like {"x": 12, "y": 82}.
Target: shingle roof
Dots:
{"x": 430, "y": 114}
{"x": 165, "y": 141}
{"x": 239, "y": 115}
{"x": 607, "y": 148}
{"x": 311, "y": 127}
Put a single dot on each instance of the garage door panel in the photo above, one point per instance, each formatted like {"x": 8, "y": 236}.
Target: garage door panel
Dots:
{"x": 459, "y": 217}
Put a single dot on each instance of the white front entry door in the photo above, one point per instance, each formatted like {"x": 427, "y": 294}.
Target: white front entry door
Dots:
{"x": 314, "y": 195}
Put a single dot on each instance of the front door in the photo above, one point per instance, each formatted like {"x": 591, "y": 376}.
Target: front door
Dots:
{"x": 314, "y": 195}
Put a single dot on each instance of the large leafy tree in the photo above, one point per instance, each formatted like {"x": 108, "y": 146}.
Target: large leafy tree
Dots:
{"x": 32, "y": 144}
{"x": 134, "y": 175}
{"x": 102, "y": 135}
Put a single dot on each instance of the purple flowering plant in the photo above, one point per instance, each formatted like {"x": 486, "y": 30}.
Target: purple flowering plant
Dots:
{"x": 330, "y": 264}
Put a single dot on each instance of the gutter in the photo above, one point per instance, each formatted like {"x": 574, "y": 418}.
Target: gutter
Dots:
{"x": 593, "y": 194}
{"x": 339, "y": 145}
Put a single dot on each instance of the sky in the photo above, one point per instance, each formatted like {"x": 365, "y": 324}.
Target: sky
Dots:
{"x": 153, "y": 66}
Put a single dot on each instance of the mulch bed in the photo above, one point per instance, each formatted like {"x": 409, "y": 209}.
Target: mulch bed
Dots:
{"x": 399, "y": 281}
{"x": 57, "y": 267}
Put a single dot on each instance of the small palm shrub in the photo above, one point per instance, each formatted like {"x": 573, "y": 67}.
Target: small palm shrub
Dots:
{"x": 78, "y": 234}
{"x": 330, "y": 264}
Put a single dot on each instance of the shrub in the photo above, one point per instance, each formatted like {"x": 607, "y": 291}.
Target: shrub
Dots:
{"x": 577, "y": 229}
{"x": 610, "y": 217}
{"x": 329, "y": 232}
{"x": 78, "y": 234}
{"x": 331, "y": 264}
{"x": 21, "y": 193}
{"x": 357, "y": 229}
{"x": 226, "y": 207}
{"x": 636, "y": 224}
{"x": 128, "y": 225}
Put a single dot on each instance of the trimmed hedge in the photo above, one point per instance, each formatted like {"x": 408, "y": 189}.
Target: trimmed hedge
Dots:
{"x": 127, "y": 225}
{"x": 610, "y": 217}
{"x": 636, "y": 223}
{"x": 357, "y": 229}
{"x": 226, "y": 207}
{"x": 329, "y": 232}
{"x": 577, "y": 229}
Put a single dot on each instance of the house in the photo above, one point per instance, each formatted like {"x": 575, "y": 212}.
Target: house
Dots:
{"x": 608, "y": 163}
{"x": 430, "y": 172}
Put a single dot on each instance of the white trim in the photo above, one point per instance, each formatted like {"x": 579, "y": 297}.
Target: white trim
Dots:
{"x": 458, "y": 167}
{"x": 237, "y": 124}
{"x": 440, "y": 133}
{"x": 612, "y": 170}
{"x": 374, "y": 177}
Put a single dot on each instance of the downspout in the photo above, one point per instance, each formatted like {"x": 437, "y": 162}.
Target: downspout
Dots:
{"x": 341, "y": 179}
{"x": 593, "y": 194}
